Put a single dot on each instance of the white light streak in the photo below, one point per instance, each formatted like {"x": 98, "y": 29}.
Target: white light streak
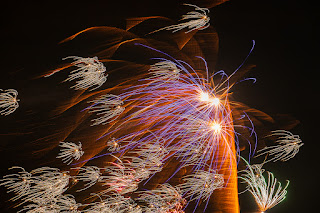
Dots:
{"x": 150, "y": 158}
{"x": 8, "y": 101}
{"x": 67, "y": 203}
{"x": 49, "y": 183}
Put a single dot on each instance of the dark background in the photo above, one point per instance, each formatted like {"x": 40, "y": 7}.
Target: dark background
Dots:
{"x": 285, "y": 55}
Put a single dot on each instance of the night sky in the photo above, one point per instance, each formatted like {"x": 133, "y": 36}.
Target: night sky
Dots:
{"x": 284, "y": 55}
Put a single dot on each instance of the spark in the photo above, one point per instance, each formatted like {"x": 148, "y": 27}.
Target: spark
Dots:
{"x": 70, "y": 151}
{"x": 194, "y": 20}
{"x": 165, "y": 198}
{"x": 216, "y": 127}
{"x": 150, "y": 158}
{"x": 89, "y": 174}
{"x": 18, "y": 183}
{"x": 113, "y": 145}
{"x": 49, "y": 183}
{"x": 164, "y": 71}
{"x": 8, "y": 101}
{"x": 207, "y": 98}
{"x": 287, "y": 146}
{"x": 89, "y": 72}
{"x": 41, "y": 186}
{"x": 113, "y": 204}
{"x": 107, "y": 107}
{"x": 204, "y": 96}
{"x": 201, "y": 184}
{"x": 121, "y": 178}
{"x": 267, "y": 193}
{"x": 67, "y": 203}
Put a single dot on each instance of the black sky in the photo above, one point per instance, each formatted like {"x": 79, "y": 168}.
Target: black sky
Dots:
{"x": 285, "y": 55}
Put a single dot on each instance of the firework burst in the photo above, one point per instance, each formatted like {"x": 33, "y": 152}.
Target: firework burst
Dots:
{"x": 287, "y": 146}
{"x": 194, "y": 20}
{"x": 70, "y": 151}
{"x": 107, "y": 107}
{"x": 201, "y": 184}
{"x": 165, "y": 198}
{"x": 267, "y": 193}
{"x": 8, "y": 101}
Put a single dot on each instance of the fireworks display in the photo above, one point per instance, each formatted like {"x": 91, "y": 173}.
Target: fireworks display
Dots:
{"x": 159, "y": 127}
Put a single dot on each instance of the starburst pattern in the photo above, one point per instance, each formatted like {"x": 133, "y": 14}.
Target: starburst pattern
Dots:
{"x": 8, "y": 101}
{"x": 70, "y": 151}
{"x": 175, "y": 117}
{"x": 287, "y": 146}
{"x": 267, "y": 193}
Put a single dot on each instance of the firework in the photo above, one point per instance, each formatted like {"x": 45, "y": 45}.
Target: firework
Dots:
{"x": 113, "y": 145}
{"x": 267, "y": 193}
{"x": 49, "y": 183}
{"x": 115, "y": 203}
{"x": 164, "y": 71}
{"x": 201, "y": 184}
{"x": 287, "y": 146}
{"x": 89, "y": 174}
{"x": 150, "y": 158}
{"x": 174, "y": 122}
{"x": 41, "y": 186}
{"x": 89, "y": 72}
{"x": 120, "y": 179}
{"x": 70, "y": 151}
{"x": 18, "y": 183}
{"x": 165, "y": 198}
{"x": 194, "y": 20}
{"x": 107, "y": 107}
{"x": 8, "y": 101}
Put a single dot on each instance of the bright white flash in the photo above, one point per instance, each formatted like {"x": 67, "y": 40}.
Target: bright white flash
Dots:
{"x": 215, "y": 101}
{"x": 216, "y": 127}
{"x": 206, "y": 97}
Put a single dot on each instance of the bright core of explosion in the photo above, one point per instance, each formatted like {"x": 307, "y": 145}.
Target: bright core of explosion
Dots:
{"x": 205, "y": 97}
{"x": 216, "y": 127}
